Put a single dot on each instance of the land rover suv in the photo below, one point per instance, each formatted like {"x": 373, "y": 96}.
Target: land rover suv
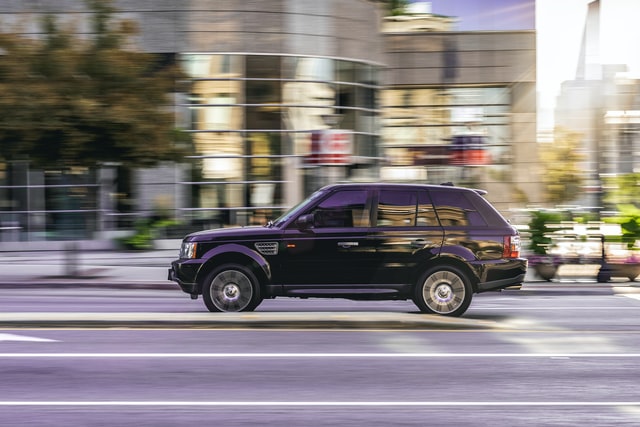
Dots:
{"x": 434, "y": 244}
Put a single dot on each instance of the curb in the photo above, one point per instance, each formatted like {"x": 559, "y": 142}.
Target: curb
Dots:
{"x": 60, "y": 282}
{"x": 253, "y": 320}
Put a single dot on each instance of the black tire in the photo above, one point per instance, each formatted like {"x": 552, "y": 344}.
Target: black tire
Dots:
{"x": 231, "y": 288}
{"x": 443, "y": 290}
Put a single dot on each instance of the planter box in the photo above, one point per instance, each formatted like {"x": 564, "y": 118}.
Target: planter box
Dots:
{"x": 546, "y": 271}
{"x": 630, "y": 271}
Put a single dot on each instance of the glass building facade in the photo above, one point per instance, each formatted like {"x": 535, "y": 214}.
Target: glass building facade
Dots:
{"x": 430, "y": 133}
{"x": 253, "y": 118}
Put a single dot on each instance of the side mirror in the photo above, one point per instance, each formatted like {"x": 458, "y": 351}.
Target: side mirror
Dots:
{"x": 305, "y": 221}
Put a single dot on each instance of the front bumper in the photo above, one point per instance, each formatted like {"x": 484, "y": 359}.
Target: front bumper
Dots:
{"x": 184, "y": 273}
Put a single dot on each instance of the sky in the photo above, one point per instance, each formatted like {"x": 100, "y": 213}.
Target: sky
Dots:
{"x": 559, "y": 26}
{"x": 488, "y": 14}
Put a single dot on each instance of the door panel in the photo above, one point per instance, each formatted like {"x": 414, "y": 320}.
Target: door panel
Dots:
{"x": 327, "y": 256}
{"x": 336, "y": 251}
{"x": 406, "y": 233}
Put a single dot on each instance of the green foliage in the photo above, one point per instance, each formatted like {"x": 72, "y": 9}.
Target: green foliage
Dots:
{"x": 538, "y": 229}
{"x": 629, "y": 220}
{"x": 397, "y": 7}
{"x": 146, "y": 230}
{"x": 622, "y": 189}
{"x": 563, "y": 174}
{"x": 73, "y": 101}
{"x": 142, "y": 239}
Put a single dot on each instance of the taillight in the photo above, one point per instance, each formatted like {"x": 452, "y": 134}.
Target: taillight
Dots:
{"x": 511, "y": 247}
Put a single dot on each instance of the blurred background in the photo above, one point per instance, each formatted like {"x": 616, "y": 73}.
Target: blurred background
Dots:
{"x": 127, "y": 122}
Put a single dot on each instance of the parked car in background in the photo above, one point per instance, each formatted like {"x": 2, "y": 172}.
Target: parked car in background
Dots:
{"x": 434, "y": 244}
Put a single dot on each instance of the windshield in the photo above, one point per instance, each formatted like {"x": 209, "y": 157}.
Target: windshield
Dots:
{"x": 297, "y": 209}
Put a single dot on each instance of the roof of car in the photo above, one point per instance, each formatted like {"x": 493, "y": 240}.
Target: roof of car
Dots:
{"x": 448, "y": 186}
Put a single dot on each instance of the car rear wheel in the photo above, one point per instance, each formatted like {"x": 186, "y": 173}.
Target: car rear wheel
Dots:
{"x": 231, "y": 288}
{"x": 443, "y": 290}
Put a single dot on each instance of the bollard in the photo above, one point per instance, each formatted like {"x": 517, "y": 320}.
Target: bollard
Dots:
{"x": 71, "y": 263}
{"x": 604, "y": 274}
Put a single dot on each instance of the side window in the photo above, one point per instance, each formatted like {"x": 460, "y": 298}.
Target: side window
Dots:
{"x": 346, "y": 208}
{"x": 426, "y": 213}
{"x": 455, "y": 209}
{"x": 397, "y": 208}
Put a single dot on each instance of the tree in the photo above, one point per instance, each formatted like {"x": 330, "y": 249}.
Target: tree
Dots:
{"x": 68, "y": 101}
{"x": 563, "y": 176}
{"x": 395, "y": 7}
{"x": 622, "y": 189}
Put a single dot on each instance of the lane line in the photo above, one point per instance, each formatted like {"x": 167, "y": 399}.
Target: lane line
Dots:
{"x": 23, "y": 338}
{"x": 498, "y": 330}
{"x": 547, "y": 307}
{"x": 323, "y": 403}
{"x": 309, "y": 355}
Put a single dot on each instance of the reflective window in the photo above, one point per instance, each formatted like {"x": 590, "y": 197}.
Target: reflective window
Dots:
{"x": 251, "y": 115}
{"x": 345, "y": 208}
{"x": 262, "y": 92}
{"x": 204, "y": 66}
{"x": 426, "y": 213}
{"x": 416, "y": 119}
{"x": 262, "y": 67}
{"x": 263, "y": 117}
{"x": 455, "y": 209}
{"x": 397, "y": 208}
{"x": 310, "y": 69}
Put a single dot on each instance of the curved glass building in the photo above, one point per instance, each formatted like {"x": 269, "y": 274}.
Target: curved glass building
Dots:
{"x": 267, "y": 128}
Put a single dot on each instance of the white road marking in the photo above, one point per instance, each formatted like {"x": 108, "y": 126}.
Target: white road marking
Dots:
{"x": 310, "y": 355}
{"x": 13, "y": 337}
{"x": 319, "y": 403}
{"x": 551, "y": 307}
{"x": 634, "y": 296}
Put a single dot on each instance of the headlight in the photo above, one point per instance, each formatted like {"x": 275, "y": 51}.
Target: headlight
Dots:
{"x": 188, "y": 250}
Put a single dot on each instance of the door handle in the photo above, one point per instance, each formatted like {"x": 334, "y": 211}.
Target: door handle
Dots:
{"x": 346, "y": 245}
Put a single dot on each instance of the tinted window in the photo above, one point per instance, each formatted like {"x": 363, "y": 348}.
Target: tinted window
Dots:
{"x": 455, "y": 209}
{"x": 397, "y": 208}
{"x": 426, "y": 214}
{"x": 345, "y": 208}
{"x": 489, "y": 213}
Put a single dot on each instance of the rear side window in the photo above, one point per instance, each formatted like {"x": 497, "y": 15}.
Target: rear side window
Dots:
{"x": 397, "y": 208}
{"x": 405, "y": 208}
{"x": 454, "y": 208}
{"x": 426, "y": 214}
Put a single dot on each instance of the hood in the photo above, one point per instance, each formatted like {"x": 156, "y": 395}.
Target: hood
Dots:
{"x": 233, "y": 233}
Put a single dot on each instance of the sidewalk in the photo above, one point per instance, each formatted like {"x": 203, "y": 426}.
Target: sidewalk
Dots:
{"x": 145, "y": 269}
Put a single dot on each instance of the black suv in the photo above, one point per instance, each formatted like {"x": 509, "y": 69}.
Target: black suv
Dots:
{"x": 434, "y": 244}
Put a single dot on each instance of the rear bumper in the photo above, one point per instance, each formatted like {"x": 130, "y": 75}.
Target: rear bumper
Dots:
{"x": 500, "y": 284}
{"x": 502, "y": 275}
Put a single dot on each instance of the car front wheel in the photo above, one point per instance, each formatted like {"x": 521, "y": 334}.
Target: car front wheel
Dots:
{"x": 231, "y": 288}
{"x": 443, "y": 290}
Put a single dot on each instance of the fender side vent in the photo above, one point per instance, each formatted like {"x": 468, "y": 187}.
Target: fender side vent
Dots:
{"x": 267, "y": 248}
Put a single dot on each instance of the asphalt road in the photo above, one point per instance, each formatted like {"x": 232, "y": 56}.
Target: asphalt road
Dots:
{"x": 550, "y": 357}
